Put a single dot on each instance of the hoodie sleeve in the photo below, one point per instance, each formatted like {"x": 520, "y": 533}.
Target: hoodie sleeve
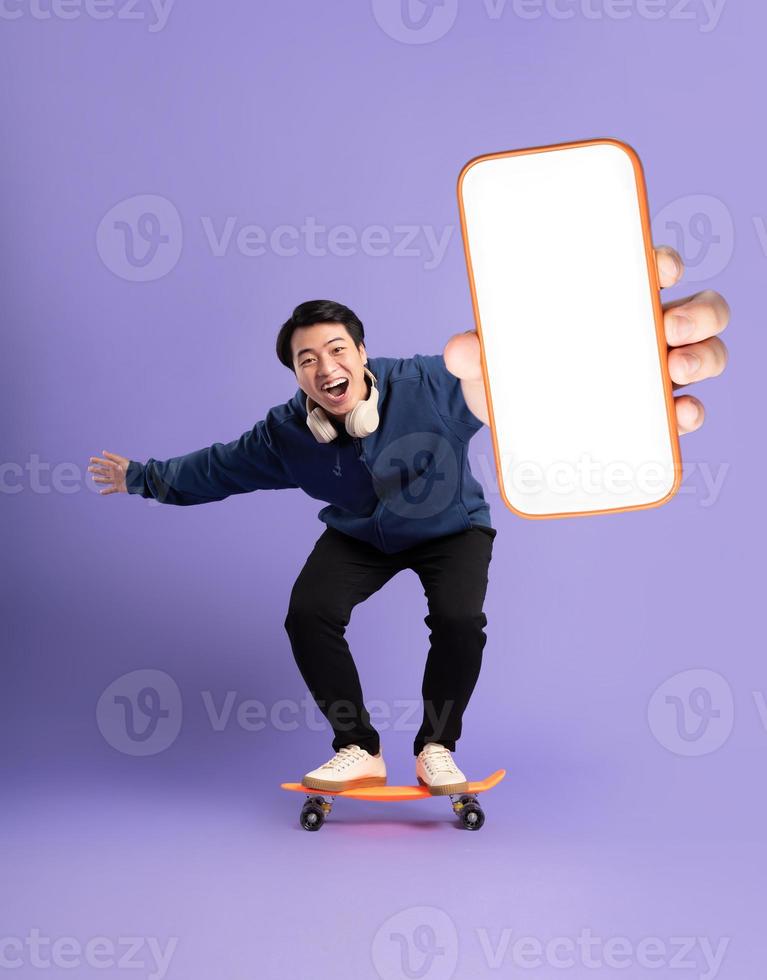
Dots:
{"x": 251, "y": 462}
{"x": 445, "y": 390}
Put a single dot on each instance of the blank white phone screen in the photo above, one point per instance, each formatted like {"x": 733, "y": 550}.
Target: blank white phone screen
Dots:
{"x": 564, "y": 298}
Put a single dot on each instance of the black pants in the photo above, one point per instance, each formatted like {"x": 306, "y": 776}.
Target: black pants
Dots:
{"x": 342, "y": 572}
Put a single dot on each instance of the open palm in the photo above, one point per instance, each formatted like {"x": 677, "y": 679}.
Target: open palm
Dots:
{"x": 111, "y": 471}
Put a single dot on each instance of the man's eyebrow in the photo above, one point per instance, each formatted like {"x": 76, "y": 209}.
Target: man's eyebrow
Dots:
{"x": 309, "y": 350}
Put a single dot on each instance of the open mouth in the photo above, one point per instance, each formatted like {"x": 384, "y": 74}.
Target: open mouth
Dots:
{"x": 337, "y": 392}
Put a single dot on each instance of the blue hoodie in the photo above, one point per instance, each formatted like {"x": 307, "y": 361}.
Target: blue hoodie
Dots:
{"x": 405, "y": 483}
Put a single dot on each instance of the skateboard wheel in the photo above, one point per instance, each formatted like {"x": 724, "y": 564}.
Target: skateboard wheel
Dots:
{"x": 472, "y": 816}
{"x": 312, "y": 816}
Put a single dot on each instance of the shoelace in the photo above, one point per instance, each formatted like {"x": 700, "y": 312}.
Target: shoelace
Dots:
{"x": 349, "y": 753}
{"x": 439, "y": 758}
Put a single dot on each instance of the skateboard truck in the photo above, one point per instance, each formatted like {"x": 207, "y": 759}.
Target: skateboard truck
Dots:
{"x": 468, "y": 811}
{"x": 314, "y": 811}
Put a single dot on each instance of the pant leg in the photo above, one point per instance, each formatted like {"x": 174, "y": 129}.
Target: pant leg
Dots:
{"x": 339, "y": 573}
{"x": 454, "y": 573}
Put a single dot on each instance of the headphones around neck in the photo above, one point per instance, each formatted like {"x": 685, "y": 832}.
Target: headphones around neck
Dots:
{"x": 359, "y": 422}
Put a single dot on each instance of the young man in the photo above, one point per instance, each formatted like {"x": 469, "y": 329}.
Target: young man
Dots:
{"x": 385, "y": 442}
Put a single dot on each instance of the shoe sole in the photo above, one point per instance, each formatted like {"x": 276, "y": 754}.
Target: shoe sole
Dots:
{"x": 335, "y": 787}
{"x": 449, "y": 789}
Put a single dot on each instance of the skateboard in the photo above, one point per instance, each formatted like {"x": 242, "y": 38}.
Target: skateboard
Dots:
{"x": 464, "y": 805}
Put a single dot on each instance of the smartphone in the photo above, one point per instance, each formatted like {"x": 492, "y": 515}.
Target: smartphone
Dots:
{"x": 567, "y": 306}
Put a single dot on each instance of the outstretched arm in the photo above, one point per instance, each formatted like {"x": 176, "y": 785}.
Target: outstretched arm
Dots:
{"x": 695, "y": 352}
{"x": 251, "y": 462}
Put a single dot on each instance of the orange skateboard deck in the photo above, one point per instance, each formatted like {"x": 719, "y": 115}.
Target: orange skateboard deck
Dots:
{"x": 465, "y": 805}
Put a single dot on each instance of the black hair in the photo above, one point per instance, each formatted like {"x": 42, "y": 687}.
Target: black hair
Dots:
{"x": 317, "y": 311}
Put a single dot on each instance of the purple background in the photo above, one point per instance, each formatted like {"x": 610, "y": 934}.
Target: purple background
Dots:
{"x": 272, "y": 113}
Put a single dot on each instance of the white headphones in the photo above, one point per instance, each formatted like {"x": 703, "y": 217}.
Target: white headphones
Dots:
{"x": 359, "y": 422}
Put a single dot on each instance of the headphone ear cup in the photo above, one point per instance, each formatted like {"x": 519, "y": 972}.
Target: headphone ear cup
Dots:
{"x": 363, "y": 418}
{"x": 320, "y": 426}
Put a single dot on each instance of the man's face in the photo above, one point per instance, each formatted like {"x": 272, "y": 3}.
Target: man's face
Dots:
{"x": 325, "y": 353}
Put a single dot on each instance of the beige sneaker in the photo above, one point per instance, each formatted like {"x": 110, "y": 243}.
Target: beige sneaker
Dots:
{"x": 436, "y": 770}
{"x": 351, "y": 767}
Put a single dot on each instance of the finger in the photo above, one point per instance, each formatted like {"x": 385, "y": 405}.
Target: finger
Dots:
{"x": 103, "y": 479}
{"x": 105, "y": 464}
{"x": 696, "y": 317}
{"x": 689, "y": 414}
{"x": 670, "y": 265}
{"x": 697, "y": 361}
